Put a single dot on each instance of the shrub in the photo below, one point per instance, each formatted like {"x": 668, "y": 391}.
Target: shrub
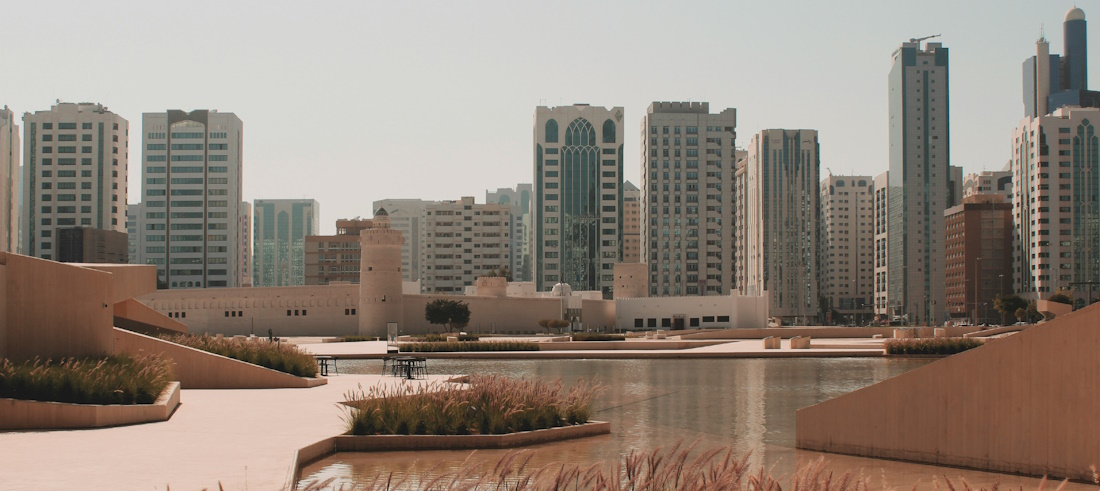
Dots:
{"x": 488, "y": 404}
{"x": 434, "y": 337}
{"x": 356, "y": 338}
{"x": 276, "y": 356}
{"x": 113, "y": 380}
{"x": 596, "y": 336}
{"x": 446, "y": 347}
{"x": 929, "y": 346}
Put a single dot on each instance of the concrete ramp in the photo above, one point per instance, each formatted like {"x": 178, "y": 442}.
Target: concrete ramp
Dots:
{"x": 1028, "y": 403}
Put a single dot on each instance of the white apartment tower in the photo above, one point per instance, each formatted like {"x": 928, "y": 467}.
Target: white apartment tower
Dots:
{"x": 74, "y": 173}
{"x": 780, "y": 224}
{"x": 462, "y": 240}
{"x": 577, "y": 215}
{"x": 191, "y": 198}
{"x": 848, "y": 245}
{"x": 9, "y": 182}
{"x": 688, "y": 164}
{"x": 919, "y": 187}
{"x": 1056, "y": 203}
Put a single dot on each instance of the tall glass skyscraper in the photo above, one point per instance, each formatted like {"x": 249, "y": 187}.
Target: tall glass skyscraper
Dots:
{"x": 577, "y": 214}
{"x": 281, "y": 227}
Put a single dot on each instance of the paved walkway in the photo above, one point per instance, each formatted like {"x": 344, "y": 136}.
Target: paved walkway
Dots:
{"x": 243, "y": 439}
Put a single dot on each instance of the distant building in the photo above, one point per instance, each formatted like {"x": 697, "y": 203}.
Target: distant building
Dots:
{"x": 847, "y": 265}
{"x": 989, "y": 182}
{"x": 920, "y": 185}
{"x": 881, "y": 231}
{"x": 244, "y": 248}
{"x": 191, "y": 200}
{"x": 1052, "y": 81}
{"x": 92, "y": 245}
{"x": 519, "y": 198}
{"x": 335, "y": 259}
{"x": 9, "y": 182}
{"x": 978, "y": 247}
{"x": 688, "y": 160}
{"x": 461, "y": 241}
{"x": 780, "y": 224}
{"x": 74, "y": 173}
{"x": 577, "y": 216}
{"x": 632, "y": 226}
{"x": 133, "y": 231}
{"x": 281, "y": 227}
{"x": 405, "y": 216}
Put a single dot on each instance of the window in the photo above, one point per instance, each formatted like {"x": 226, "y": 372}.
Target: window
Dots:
{"x": 551, "y": 131}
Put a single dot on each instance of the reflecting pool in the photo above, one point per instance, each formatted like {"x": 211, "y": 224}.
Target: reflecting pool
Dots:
{"x": 747, "y": 404}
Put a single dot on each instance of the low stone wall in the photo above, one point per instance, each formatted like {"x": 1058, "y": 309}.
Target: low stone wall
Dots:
{"x": 19, "y": 414}
{"x": 197, "y": 369}
{"x": 392, "y": 443}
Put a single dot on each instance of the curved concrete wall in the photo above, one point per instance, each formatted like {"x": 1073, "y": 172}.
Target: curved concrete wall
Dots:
{"x": 379, "y": 281}
{"x": 1025, "y": 404}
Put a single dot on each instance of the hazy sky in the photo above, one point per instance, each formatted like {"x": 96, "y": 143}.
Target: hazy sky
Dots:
{"x": 351, "y": 102}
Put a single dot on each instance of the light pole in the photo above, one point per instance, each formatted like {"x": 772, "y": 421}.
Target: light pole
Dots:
{"x": 1002, "y": 277}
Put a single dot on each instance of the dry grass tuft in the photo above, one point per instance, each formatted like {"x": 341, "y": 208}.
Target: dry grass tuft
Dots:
{"x": 257, "y": 351}
{"x": 112, "y": 380}
{"x": 929, "y": 346}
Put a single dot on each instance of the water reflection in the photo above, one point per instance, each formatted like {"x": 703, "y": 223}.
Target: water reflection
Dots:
{"x": 748, "y": 404}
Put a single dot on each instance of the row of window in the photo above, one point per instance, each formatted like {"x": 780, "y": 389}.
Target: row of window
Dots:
{"x": 72, "y": 126}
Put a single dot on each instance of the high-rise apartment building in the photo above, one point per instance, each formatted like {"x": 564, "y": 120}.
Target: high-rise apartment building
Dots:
{"x": 519, "y": 199}
{"x": 404, "y": 216}
{"x": 847, "y": 229}
{"x": 1056, "y": 187}
{"x": 244, "y": 245}
{"x": 281, "y": 228}
{"x": 191, "y": 198}
{"x": 1052, "y": 81}
{"x": 632, "y": 223}
{"x": 577, "y": 217}
{"x": 91, "y": 245}
{"x": 978, "y": 246}
{"x": 780, "y": 224}
{"x": 989, "y": 182}
{"x": 74, "y": 173}
{"x": 881, "y": 231}
{"x": 462, "y": 240}
{"x": 133, "y": 232}
{"x": 9, "y": 181}
{"x": 688, "y": 164}
{"x": 336, "y": 258}
{"x": 920, "y": 181}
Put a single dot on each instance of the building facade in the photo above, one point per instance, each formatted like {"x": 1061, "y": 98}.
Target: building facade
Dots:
{"x": 280, "y": 230}
{"x": 848, "y": 246}
{"x": 881, "y": 234}
{"x": 9, "y": 182}
{"x": 335, "y": 259}
{"x": 1051, "y": 81}
{"x": 989, "y": 182}
{"x": 462, "y": 240}
{"x": 519, "y": 199}
{"x": 405, "y": 215}
{"x": 577, "y": 215}
{"x": 75, "y": 162}
{"x": 920, "y": 181}
{"x": 688, "y": 163}
{"x": 244, "y": 227}
{"x": 780, "y": 224}
{"x": 978, "y": 261}
{"x": 133, "y": 231}
{"x": 632, "y": 223}
{"x": 92, "y": 245}
{"x": 1056, "y": 187}
{"x": 191, "y": 198}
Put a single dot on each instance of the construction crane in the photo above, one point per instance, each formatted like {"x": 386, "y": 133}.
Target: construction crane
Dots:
{"x": 918, "y": 40}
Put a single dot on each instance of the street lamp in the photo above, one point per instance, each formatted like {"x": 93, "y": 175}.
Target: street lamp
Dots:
{"x": 977, "y": 272}
{"x": 1002, "y": 279}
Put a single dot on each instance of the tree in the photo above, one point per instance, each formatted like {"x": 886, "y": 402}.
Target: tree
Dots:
{"x": 452, "y": 314}
{"x": 1009, "y": 304}
{"x": 1062, "y": 296}
{"x": 550, "y": 324}
{"x": 503, "y": 272}
{"x": 1021, "y": 313}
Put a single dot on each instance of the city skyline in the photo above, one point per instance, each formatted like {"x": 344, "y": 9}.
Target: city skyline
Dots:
{"x": 297, "y": 54}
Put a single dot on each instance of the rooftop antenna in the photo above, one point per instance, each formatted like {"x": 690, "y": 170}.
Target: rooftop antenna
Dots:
{"x": 918, "y": 40}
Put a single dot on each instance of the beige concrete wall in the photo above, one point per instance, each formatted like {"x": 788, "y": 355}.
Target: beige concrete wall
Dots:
{"x": 487, "y": 314}
{"x": 16, "y": 414}
{"x": 598, "y": 315}
{"x": 55, "y": 310}
{"x": 135, "y": 316}
{"x": 127, "y": 280}
{"x": 1027, "y": 404}
{"x": 197, "y": 369}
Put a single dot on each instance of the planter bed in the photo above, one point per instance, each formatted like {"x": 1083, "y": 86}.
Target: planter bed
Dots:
{"x": 20, "y": 414}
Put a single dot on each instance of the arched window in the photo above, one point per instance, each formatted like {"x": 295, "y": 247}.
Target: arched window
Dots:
{"x": 580, "y": 133}
{"x": 609, "y": 131}
{"x": 551, "y": 131}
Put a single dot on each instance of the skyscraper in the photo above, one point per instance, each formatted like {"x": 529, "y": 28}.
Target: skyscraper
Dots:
{"x": 9, "y": 181}
{"x": 281, "y": 227}
{"x": 191, "y": 198}
{"x": 74, "y": 173}
{"x": 780, "y": 224}
{"x": 632, "y": 224}
{"x": 519, "y": 199}
{"x": 577, "y": 215}
{"x": 847, "y": 245}
{"x": 918, "y": 181}
{"x": 1051, "y": 81}
{"x": 133, "y": 231}
{"x": 687, "y": 216}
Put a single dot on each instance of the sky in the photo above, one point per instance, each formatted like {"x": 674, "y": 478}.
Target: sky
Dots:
{"x": 348, "y": 102}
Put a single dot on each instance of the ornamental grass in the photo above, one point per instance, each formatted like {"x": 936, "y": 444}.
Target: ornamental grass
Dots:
{"x": 448, "y": 346}
{"x": 118, "y": 379}
{"x": 597, "y": 336}
{"x": 283, "y": 357}
{"x": 929, "y": 346}
{"x": 487, "y": 405}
